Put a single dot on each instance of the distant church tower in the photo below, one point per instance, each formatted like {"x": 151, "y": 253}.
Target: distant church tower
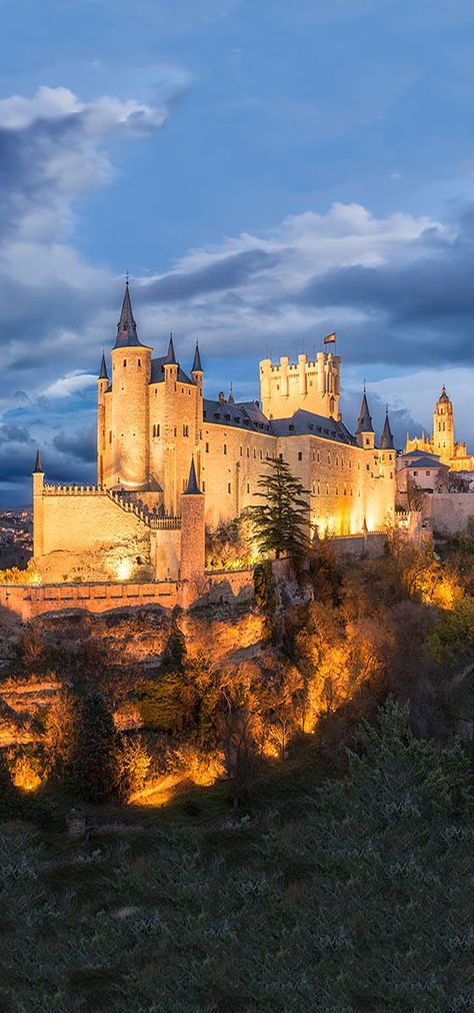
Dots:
{"x": 443, "y": 428}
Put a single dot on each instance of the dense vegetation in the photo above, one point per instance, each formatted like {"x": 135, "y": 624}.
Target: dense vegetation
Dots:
{"x": 327, "y": 864}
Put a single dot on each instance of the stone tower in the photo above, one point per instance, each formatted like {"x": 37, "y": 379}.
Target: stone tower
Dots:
{"x": 38, "y": 508}
{"x": 365, "y": 431}
{"x": 443, "y": 428}
{"x": 193, "y": 553}
{"x": 102, "y": 384}
{"x": 131, "y": 369}
{"x": 314, "y": 386}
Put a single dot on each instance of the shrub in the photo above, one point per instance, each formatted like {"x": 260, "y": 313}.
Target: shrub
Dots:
{"x": 133, "y": 763}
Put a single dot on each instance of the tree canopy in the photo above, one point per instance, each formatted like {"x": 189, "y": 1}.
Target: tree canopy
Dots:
{"x": 281, "y": 521}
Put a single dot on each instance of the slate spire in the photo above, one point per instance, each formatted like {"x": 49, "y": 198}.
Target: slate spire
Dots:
{"x": 38, "y": 468}
{"x": 170, "y": 357}
{"x": 126, "y": 327}
{"x": 192, "y": 488}
{"x": 386, "y": 442}
{"x": 364, "y": 423}
{"x": 103, "y": 369}
{"x": 197, "y": 367}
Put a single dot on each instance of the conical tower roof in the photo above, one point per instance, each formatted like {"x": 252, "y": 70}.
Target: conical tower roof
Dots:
{"x": 192, "y": 488}
{"x": 443, "y": 397}
{"x": 364, "y": 423}
{"x": 126, "y": 327}
{"x": 386, "y": 443}
{"x": 170, "y": 357}
{"x": 197, "y": 367}
{"x": 38, "y": 467}
{"x": 103, "y": 369}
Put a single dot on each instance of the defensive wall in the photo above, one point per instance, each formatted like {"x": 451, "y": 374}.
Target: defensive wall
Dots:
{"x": 30, "y": 600}
{"x": 448, "y": 512}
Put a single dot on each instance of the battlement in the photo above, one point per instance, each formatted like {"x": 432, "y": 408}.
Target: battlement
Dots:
{"x": 122, "y": 500}
{"x": 311, "y": 384}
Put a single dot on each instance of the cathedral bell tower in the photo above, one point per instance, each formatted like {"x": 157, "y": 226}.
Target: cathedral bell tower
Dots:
{"x": 443, "y": 428}
{"x": 131, "y": 370}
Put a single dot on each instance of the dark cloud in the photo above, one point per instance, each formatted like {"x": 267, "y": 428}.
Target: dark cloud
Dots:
{"x": 81, "y": 445}
{"x": 421, "y": 308}
{"x": 224, "y": 274}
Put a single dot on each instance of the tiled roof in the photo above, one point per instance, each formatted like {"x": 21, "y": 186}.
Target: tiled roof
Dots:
{"x": 246, "y": 415}
{"x": 304, "y": 423}
{"x": 157, "y": 375}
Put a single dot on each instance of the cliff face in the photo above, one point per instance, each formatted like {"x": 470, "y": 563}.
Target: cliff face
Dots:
{"x": 118, "y": 649}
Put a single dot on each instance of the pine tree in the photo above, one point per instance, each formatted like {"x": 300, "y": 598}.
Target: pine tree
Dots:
{"x": 95, "y": 769}
{"x": 281, "y": 523}
{"x": 10, "y": 800}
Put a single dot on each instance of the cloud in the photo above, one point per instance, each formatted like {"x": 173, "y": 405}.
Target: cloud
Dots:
{"x": 397, "y": 288}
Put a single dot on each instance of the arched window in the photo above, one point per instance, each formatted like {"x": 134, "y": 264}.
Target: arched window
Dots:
{"x": 125, "y": 362}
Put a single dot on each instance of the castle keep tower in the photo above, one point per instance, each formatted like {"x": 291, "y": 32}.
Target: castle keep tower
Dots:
{"x": 314, "y": 386}
{"x": 128, "y": 433}
{"x": 443, "y": 428}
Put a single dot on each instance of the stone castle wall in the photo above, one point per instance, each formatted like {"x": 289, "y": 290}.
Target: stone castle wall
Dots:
{"x": 89, "y": 534}
{"x": 448, "y": 512}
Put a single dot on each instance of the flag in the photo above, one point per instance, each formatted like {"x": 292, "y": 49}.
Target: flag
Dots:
{"x": 330, "y": 338}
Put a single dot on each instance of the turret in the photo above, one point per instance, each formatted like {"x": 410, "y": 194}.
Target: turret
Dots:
{"x": 386, "y": 442}
{"x": 131, "y": 370}
{"x": 192, "y": 531}
{"x": 170, "y": 362}
{"x": 38, "y": 508}
{"x": 102, "y": 385}
{"x": 365, "y": 430}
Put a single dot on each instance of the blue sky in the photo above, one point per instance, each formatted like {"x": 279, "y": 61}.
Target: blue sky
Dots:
{"x": 266, "y": 171}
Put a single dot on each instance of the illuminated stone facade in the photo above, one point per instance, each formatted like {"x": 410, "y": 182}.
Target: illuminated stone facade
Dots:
{"x": 442, "y": 442}
{"x": 159, "y": 439}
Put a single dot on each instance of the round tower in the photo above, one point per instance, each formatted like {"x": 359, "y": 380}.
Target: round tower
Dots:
{"x": 131, "y": 370}
{"x": 102, "y": 384}
{"x": 443, "y": 428}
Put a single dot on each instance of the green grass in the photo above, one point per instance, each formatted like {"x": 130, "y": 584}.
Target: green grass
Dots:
{"x": 326, "y": 896}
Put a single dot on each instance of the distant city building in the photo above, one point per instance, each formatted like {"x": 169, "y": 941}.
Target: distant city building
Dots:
{"x": 442, "y": 441}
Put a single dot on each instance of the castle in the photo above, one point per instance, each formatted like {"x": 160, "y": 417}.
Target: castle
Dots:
{"x": 442, "y": 442}
{"x": 170, "y": 462}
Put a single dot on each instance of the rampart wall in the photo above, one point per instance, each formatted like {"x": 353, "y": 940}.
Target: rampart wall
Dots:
{"x": 28, "y": 601}
{"x": 448, "y": 512}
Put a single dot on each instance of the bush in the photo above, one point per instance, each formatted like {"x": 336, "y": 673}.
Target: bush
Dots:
{"x": 133, "y": 765}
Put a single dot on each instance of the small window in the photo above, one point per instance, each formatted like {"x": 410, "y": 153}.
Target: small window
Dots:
{"x": 139, "y": 363}
{"x": 225, "y": 448}
{"x": 248, "y": 451}
{"x": 300, "y": 455}
{"x": 241, "y": 451}
{"x": 207, "y": 448}
{"x": 280, "y": 456}
{"x": 110, "y": 436}
{"x": 125, "y": 362}
{"x": 185, "y": 430}
{"x": 229, "y": 489}
{"x": 248, "y": 486}
{"x": 203, "y": 484}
